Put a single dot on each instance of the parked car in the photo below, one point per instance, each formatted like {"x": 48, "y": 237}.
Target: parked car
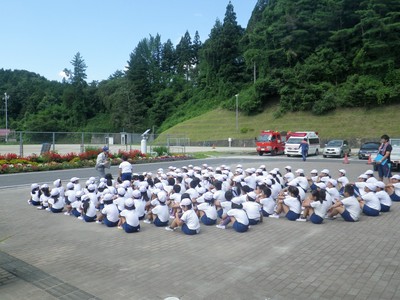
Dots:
{"x": 336, "y": 148}
{"x": 368, "y": 149}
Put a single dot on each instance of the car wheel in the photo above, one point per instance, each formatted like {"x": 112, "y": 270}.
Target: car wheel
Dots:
{"x": 260, "y": 153}
{"x": 273, "y": 152}
{"x": 288, "y": 155}
{"x": 325, "y": 156}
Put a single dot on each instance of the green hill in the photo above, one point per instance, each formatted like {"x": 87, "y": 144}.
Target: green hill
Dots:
{"x": 351, "y": 123}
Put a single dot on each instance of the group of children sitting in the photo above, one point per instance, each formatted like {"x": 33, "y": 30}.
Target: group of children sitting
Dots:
{"x": 221, "y": 197}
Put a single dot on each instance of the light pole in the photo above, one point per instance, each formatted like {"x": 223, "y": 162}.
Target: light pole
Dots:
{"x": 237, "y": 111}
{"x": 6, "y": 97}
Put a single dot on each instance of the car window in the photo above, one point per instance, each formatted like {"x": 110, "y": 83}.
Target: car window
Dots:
{"x": 370, "y": 146}
{"x": 334, "y": 143}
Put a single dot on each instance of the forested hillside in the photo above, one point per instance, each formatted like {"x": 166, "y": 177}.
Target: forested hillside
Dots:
{"x": 310, "y": 55}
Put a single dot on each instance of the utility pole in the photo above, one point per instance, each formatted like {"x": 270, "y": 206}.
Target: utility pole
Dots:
{"x": 6, "y": 97}
{"x": 237, "y": 111}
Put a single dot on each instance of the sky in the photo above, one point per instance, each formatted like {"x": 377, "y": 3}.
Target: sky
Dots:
{"x": 42, "y": 36}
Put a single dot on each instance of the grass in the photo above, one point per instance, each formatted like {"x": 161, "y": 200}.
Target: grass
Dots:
{"x": 351, "y": 123}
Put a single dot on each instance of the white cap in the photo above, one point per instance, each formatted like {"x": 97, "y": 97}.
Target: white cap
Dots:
{"x": 365, "y": 176}
{"x": 107, "y": 197}
{"x": 252, "y": 195}
{"x": 136, "y": 194}
{"x": 129, "y": 202}
{"x": 288, "y": 168}
{"x": 35, "y": 186}
{"x": 300, "y": 171}
{"x": 321, "y": 185}
{"x": 371, "y": 186}
{"x": 380, "y": 184}
{"x": 397, "y": 177}
{"x": 91, "y": 187}
{"x": 57, "y": 183}
{"x": 73, "y": 179}
{"x": 162, "y": 196}
{"x": 372, "y": 180}
{"x": 186, "y": 202}
{"x": 343, "y": 171}
{"x": 55, "y": 192}
{"x": 314, "y": 171}
{"x": 121, "y": 191}
{"x": 369, "y": 172}
{"x": 326, "y": 171}
{"x": 333, "y": 181}
{"x": 208, "y": 196}
{"x": 70, "y": 185}
{"x": 237, "y": 200}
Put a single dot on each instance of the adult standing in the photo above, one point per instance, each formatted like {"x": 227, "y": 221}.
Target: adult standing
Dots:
{"x": 125, "y": 169}
{"x": 383, "y": 160}
{"x": 102, "y": 162}
{"x": 304, "y": 148}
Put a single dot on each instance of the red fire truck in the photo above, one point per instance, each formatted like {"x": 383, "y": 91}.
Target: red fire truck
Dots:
{"x": 270, "y": 141}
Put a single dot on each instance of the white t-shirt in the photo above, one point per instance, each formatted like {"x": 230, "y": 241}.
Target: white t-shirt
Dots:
{"x": 352, "y": 205}
{"x": 77, "y": 187}
{"x": 384, "y": 198}
{"x": 397, "y": 188}
{"x": 371, "y": 200}
{"x": 125, "y": 167}
{"x": 209, "y": 210}
{"x": 77, "y": 205}
{"x": 139, "y": 206}
{"x": 91, "y": 211}
{"x": 175, "y": 197}
{"x": 360, "y": 185}
{"x": 191, "y": 220}
{"x": 334, "y": 193}
{"x": 35, "y": 196}
{"x": 44, "y": 199}
{"x": 162, "y": 212}
{"x": 240, "y": 215}
{"x": 94, "y": 199}
{"x": 220, "y": 196}
{"x": 70, "y": 195}
{"x": 120, "y": 203}
{"x": 193, "y": 193}
{"x": 111, "y": 211}
{"x": 293, "y": 204}
{"x": 252, "y": 209}
{"x": 268, "y": 205}
{"x": 59, "y": 204}
{"x": 131, "y": 217}
{"x": 226, "y": 206}
{"x": 320, "y": 209}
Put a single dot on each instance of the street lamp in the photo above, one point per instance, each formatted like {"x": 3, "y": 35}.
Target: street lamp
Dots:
{"x": 237, "y": 111}
{"x": 6, "y": 97}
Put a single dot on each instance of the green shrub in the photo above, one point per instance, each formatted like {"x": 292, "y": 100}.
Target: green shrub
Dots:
{"x": 161, "y": 150}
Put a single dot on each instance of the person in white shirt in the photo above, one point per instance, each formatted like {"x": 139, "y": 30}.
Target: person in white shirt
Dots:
{"x": 88, "y": 209}
{"x": 120, "y": 200}
{"x": 125, "y": 169}
{"x": 265, "y": 199}
{"x": 44, "y": 197}
{"x": 290, "y": 204}
{"x": 56, "y": 203}
{"x": 70, "y": 197}
{"x": 77, "y": 185}
{"x": 252, "y": 208}
{"x": 393, "y": 188}
{"x": 188, "y": 220}
{"x": 383, "y": 196}
{"x": 315, "y": 207}
{"x": 225, "y": 207}
{"x": 237, "y": 216}
{"x": 77, "y": 204}
{"x": 35, "y": 195}
{"x": 207, "y": 210}
{"x": 369, "y": 202}
{"x": 129, "y": 219}
{"x": 349, "y": 207}
{"x": 109, "y": 214}
{"x": 159, "y": 214}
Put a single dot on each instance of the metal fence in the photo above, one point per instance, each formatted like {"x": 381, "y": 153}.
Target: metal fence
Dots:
{"x": 50, "y": 141}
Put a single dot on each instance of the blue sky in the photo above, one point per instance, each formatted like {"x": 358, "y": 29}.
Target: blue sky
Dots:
{"x": 42, "y": 36}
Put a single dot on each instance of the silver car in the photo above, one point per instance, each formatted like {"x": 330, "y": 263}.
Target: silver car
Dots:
{"x": 336, "y": 148}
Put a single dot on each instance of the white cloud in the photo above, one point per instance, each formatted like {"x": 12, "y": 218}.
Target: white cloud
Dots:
{"x": 62, "y": 75}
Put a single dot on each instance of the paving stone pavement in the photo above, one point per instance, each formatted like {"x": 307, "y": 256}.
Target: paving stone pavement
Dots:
{"x": 53, "y": 256}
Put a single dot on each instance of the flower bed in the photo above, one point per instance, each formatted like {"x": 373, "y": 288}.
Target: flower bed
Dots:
{"x": 12, "y": 163}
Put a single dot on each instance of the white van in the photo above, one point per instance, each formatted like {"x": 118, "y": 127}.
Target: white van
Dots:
{"x": 292, "y": 146}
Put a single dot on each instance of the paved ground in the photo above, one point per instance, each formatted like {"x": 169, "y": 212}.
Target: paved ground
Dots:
{"x": 48, "y": 256}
